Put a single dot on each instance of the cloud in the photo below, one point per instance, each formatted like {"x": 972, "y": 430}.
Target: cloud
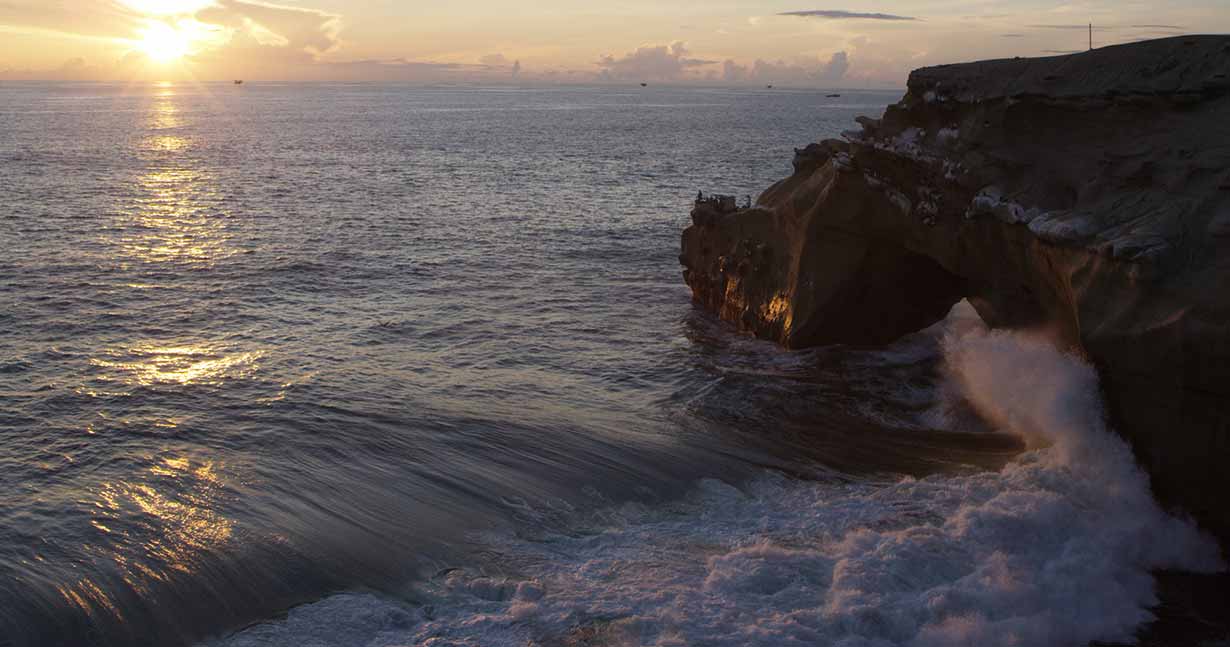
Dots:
{"x": 73, "y": 69}
{"x": 801, "y": 71}
{"x": 83, "y": 19}
{"x": 837, "y": 14}
{"x": 1012, "y": 35}
{"x": 881, "y": 60}
{"x": 301, "y": 30}
{"x": 501, "y": 62}
{"x": 75, "y": 64}
{"x": 398, "y": 69}
{"x": 732, "y": 72}
{"x": 837, "y": 67}
{"x": 658, "y": 63}
{"x": 1165, "y": 27}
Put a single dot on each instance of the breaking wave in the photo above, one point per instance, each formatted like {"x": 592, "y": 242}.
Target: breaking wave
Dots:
{"x": 1056, "y": 548}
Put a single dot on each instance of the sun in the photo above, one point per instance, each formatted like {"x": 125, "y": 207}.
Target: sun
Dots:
{"x": 162, "y": 42}
{"x": 165, "y": 7}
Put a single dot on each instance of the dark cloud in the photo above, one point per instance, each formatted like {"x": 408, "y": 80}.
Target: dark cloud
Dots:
{"x": 1165, "y": 27}
{"x": 658, "y": 63}
{"x": 838, "y": 14}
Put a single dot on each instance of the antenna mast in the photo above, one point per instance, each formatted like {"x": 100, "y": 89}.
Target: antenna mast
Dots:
{"x": 1090, "y": 36}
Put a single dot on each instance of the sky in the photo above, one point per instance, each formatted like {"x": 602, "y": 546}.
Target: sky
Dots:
{"x": 848, "y": 43}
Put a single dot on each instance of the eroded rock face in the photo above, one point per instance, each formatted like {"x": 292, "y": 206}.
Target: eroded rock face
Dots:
{"x": 1086, "y": 193}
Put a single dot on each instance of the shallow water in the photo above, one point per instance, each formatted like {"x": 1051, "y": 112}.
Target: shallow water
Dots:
{"x": 422, "y": 359}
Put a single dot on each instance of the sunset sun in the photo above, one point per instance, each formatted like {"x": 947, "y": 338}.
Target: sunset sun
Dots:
{"x": 163, "y": 43}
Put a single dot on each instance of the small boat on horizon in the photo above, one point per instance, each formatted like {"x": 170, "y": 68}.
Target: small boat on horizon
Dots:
{"x": 643, "y": 85}
{"x": 769, "y": 86}
{"x": 238, "y": 81}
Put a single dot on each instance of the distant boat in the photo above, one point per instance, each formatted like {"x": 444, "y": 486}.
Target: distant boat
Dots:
{"x": 769, "y": 86}
{"x": 644, "y": 85}
{"x": 238, "y": 81}
{"x": 832, "y": 95}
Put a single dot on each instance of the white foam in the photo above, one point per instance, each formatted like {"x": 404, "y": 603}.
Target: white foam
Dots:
{"x": 1054, "y": 549}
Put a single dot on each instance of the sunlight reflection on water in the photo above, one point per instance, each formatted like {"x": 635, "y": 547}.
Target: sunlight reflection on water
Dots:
{"x": 162, "y": 520}
{"x": 172, "y": 215}
{"x": 165, "y": 521}
{"x": 152, "y": 364}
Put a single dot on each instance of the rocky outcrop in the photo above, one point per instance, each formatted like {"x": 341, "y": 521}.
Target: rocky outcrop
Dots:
{"x": 1087, "y": 193}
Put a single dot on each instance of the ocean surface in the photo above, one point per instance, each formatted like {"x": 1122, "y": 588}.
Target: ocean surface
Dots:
{"x": 377, "y": 365}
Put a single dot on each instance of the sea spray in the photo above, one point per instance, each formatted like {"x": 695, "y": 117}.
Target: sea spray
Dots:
{"x": 1054, "y": 549}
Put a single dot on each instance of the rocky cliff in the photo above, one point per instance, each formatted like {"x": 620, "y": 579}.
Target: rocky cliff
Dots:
{"x": 1087, "y": 193}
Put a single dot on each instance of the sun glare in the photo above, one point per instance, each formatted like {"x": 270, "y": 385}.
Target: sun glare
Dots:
{"x": 162, "y": 42}
{"x": 165, "y": 7}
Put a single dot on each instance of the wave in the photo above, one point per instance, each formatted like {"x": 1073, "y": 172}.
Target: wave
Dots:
{"x": 1056, "y": 548}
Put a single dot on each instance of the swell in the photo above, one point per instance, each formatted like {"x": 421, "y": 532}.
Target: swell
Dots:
{"x": 1055, "y": 548}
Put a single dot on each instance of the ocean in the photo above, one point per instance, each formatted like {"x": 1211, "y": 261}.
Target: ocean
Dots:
{"x": 390, "y": 365}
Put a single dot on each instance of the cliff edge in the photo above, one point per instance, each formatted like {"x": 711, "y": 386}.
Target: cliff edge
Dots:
{"x": 1087, "y": 193}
